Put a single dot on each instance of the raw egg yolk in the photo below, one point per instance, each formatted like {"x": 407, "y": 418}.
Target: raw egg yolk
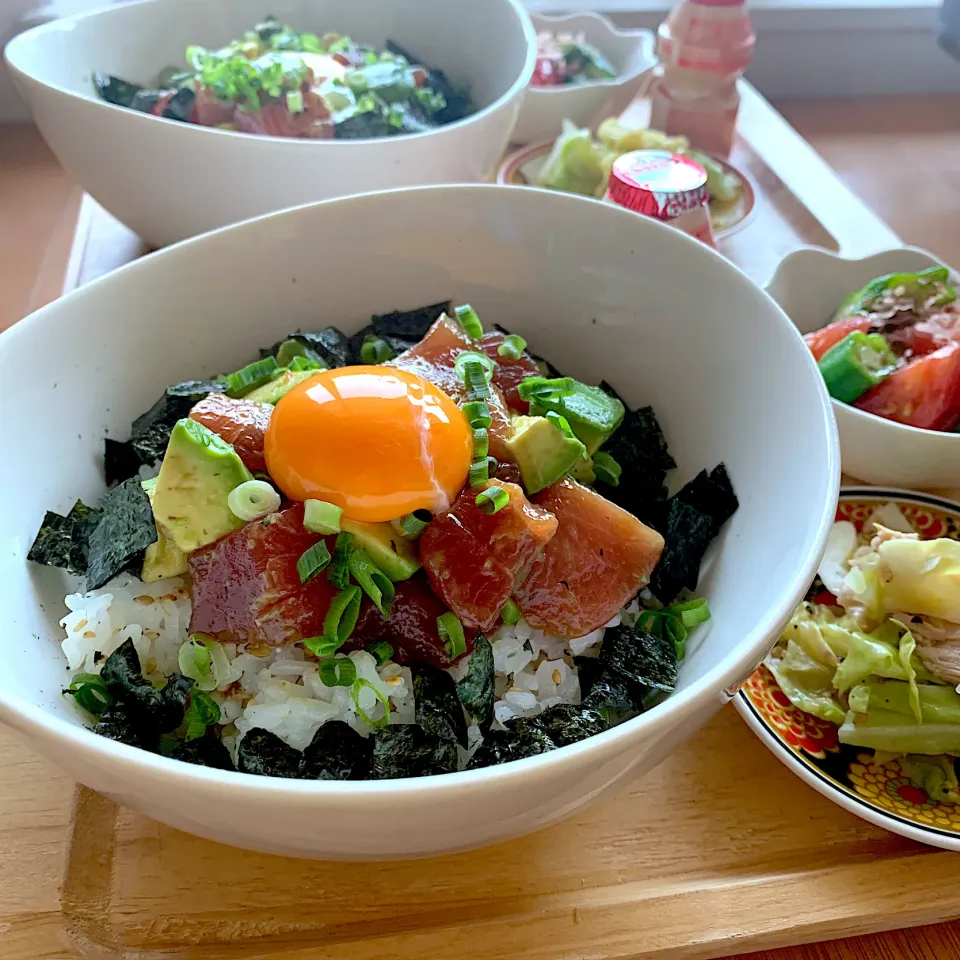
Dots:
{"x": 377, "y": 442}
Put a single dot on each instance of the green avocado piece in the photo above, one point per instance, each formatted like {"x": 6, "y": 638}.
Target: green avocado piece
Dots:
{"x": 396, "y": 556}
{"x": 542, "y": 451}
{"x": 163, "y": 558}
{"x": 197, "y": 474}
{"x": 592, "y": 413}
{"x": 278, "y": 387}
{"x": 583, "y": 472}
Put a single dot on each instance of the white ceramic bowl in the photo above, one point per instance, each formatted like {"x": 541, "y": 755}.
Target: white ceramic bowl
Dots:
{"x": 660, "y": 316}
{"x": 168, "y": 180}
{"x": 545, "y": 108}
{"x": 810, "y": 284}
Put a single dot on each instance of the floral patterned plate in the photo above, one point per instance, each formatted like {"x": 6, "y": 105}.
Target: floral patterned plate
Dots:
{"x": 879, "y": 792}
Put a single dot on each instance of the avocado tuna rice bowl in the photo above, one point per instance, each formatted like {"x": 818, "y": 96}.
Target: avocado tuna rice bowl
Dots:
{"x": 410, "y": 551}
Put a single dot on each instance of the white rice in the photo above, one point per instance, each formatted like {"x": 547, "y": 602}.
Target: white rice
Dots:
{"x": 282, "y": 691}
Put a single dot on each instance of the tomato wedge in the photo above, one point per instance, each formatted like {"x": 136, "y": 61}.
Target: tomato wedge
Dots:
{"x": 820, "y": 341}
{"x": 925, "y": 393}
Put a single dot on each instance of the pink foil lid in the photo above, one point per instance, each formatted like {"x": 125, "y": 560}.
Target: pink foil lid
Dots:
{"x": 658, "y": 183}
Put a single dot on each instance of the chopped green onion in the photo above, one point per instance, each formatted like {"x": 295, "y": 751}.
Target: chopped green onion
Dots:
{"x": 561, "y": 422}
{"x": 492, "y": 499}
{"x": 338, "y": 572}
{"x": 338, "y": 624}
{"x": 295, "y": 101}
{"x": 478, "y": 413}
{"x": 381, "y": 651}
{"x": 373, "y": 581}
{"x": 375, "y": 350}
{"x": 478, "y": 472}
{"x": 305, "y": 363}
{"x": 338, "y": 672}
{"x": 478, "y": 387}
{"x": 606, "y": 468}
{"x": 321, "y": 647}
{"x": 468, "y": 319}
{"x": 510, "y": 614}
{"x": 203, "y": 660}
{"x": 692, "y": 612}
{"x": 411, "y": 525}
{"x": 534, "y": 387}
{"x": 481, "y": 442}
{"x": 312, "y": 561}
{"x": 321, "y": 517}
{"x": 289, "y": 350}
{"x": 358, "y": 687}
{"x": 467, "y": 357}
{"x": 252, "y": 376}
{"x": 90, "y": 691}
{"x": 512, "y": 347}
{"x": 202, "y": 712}
{"x": 252, "y": 500}
{"x": 450, "y": 631}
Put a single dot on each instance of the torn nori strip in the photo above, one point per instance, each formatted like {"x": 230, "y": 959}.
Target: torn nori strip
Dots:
{"x": 476, "y": 689}
{"x": 521, "y": 738}
{"x": 206, "y": 751}
{"x": 566, "y": 723}
{"x": 687, "y": 533}
{"x": 369, "y": 125}
{"x": 114, "y": 90}
{"x": 458, "y": 104}
{"x": 711, "y": 494}
{"x": 120, "y": 461}
{"x": 355, "y": 343}
{"x": 150, "y": 432}
{"x": 180, "y": 105}
{"x": 125, "y": 528}
{"x": 125, "y": 726}
{"x": 337, "y": 752}
{"x": 263, "y": 753}
{"x": 406, "y": 750}
{"x": 409, "y": 325}
{"x": 641, "y": 658}
{"x": 438, "y": 707}
{"x": 62, "y": 541}
{"x": 332, "y": 346}
{"x": 605, "y": 690}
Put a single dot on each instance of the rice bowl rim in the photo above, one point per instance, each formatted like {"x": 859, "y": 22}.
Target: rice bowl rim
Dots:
{"x": 721, "y": 681}
{"x": 66, "y": 24}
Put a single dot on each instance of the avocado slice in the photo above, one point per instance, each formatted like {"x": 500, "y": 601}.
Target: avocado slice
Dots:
{"x": 396, "y": 556}
{"x": 198, "y": 472}
{"x": 542, "y": 451}
{"x": 583, "y": 472}
{"x": 163, "y": 558}
{"x": 592, "y": 413}
{"x": 272, "y": 391}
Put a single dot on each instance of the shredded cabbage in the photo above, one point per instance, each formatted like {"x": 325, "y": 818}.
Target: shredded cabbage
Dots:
{"x": 575, "y": 164}
{"x": 922, "y": 577}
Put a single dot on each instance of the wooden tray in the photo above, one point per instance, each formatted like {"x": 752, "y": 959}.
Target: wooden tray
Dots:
{"x": 717, "y": 852}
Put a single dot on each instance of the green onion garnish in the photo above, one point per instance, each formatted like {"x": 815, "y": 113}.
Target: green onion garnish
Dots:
{"x": 321, "y": 517}
{"x": 492, "y": 499}
{"x": 468, "y": 319}
{"x": 450, "y": 631}
{"x": 338, "y": 572}
{"x": 338, "y": 672}
{"x": 203, "y": 660}
{"x": 478, "y": 472}
{"x": 481, "y": 443}
{"x": 305, "y": 363}
{"x": 606, "y": 468}
{"x": 381, "y": 651}
{"x": 358, "y": 686}
{"x": 512, "y": 347}
{"x": 535, "y": 387}
{"x": 312, "y": 561}
{"x": 252, "y": 500}
{"x": 411, "y": 525}
{"x": 510, "y": 614}
{"x": 295, "y": 101}
{"x": 373, "y": 581}
{"x": 252, "y": 376}
{"x": 478, "y": 413}
{"x": 321, "y": 647}
{"x": 339, "y": 622}
{"x": 291, "y": 349}
{"x": 90, "y": 691}
{"x": 202, "y": 712}
{"x": 692, "y": 612}
{"x": 468, "y": 357}
{"x": 478, "y": 387}
{"x": 375, "y": 350}
{"x": 561, "y": 423}
{"x": 674, "y": 622}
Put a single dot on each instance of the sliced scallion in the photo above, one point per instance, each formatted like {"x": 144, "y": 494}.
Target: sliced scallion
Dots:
{"x": 289, "y": 350}
{"x": 375, "y": 350}
{"x": 450, "y": 631}
{"x": 481, "y": 443}
{"x": 692, "y": 612}
{"x": 474, "y": 356}
{"x": 381, "y": 651}
{"x": 338, "y": 573}
{"x": 510, "y": 614}
{"x": 411, "y": 525}
{"x": 477, "y": 413}
{"x": 478, "y": 472}
{"x": 202, "y": 712}
{"x": 338, "y": 672}
{"x": 372, "y": 580}
{"x": 321, "y": 647}
{"x": 342, "y": 616}
{"x": 512, "y": 347}
{"x": 295, "y": 101}
{"x": 534, "y": 387}
{"x": 562, "y": 423}
{"x": 468, "y": 319}
{"x": 250, "y": 377}
{"x": 312, "y": 561}
{"x": 305, "y": 363}
{"x": 203, "y": 660}
{"x": 492, "y": 499}
{"x": 90, "y": 691}
{"x": 606, "y": 468}
{"x": 478, "y": 387}
{"x": 252, "y": 500}
{"x": 321, "y": 517}
{"x": 359, "y": 685}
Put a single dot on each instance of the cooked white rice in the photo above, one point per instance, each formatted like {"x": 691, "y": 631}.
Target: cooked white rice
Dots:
{"x": 282, "y": 691}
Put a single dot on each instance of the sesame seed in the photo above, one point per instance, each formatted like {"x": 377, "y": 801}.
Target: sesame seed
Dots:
{"x": 80, "y": 625}
{"x": 88, "y": 634}
{"x": 144, "y": 599}
{"x": 556, "y": 677}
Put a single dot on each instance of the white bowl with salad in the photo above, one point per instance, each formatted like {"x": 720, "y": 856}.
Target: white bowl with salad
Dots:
{"x": 390, "y": 644}
{"x": 885, "y": 331}
{"x": 586, "y": 69}
{"x": 180, "y": 117}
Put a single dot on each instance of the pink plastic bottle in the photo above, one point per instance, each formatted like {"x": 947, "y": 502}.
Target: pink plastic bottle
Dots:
{"x": 704, "y": 46}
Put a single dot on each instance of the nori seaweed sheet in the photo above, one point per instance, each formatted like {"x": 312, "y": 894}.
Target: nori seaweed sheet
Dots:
{"x": 332, "y": 346}
{"x": 605, "y": 690}
{"x": 643, "y": 659}
{"x": 476, "y": 689}
{"x": 370, "y": 125}
{"x": 124, "y": 529}
{"x": 120, "y": 461}
{"x": 438, "y": 707}
{"x": 406, "y": 750}
{"x": 566, "y": 723}
{"x": 687, "y": 533}
{"x": 337, "y": 752}
{"x": 409, "y": 325}
{"x": 84, "y": 520}
{"x": 263, "y": 753}
{"x": 711, "y": 494}
{"x": 205, "y": 751}
{"x": 457, "y": 97}
{"x": 114, "y": 90}
{"x": 150, "y": 432}
{"x": 521, "y": 738}
{"x": 62, "y": 541}
{"x": 122, "y": 724}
